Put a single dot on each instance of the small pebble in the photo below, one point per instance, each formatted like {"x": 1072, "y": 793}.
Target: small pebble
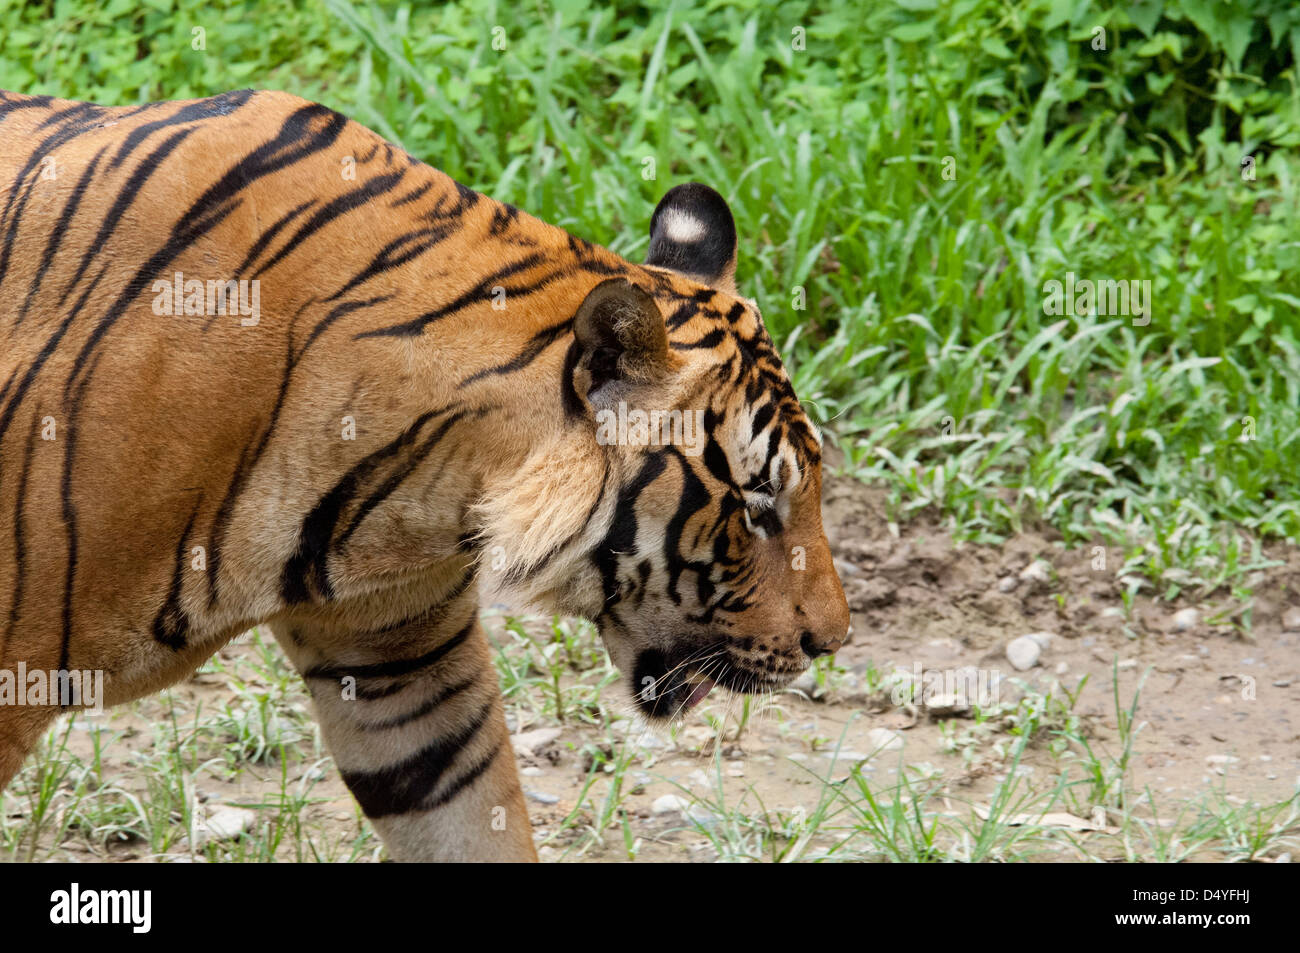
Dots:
{"x": 1023, "y": 653}
{"x": 669, "y": 804}
{"x": 882, "y": 739}
{"x": 1039, "y": 571}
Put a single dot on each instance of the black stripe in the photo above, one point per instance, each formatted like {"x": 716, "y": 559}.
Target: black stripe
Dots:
{"x": 249, "y": 456}
{"x": 221, "y": 105}
{"x": 503, "y": 217}
{"x": 268, "y": 236}
{"x": 311, "y": 555}
{"x": 620, "y": 538}
{"x": 574, "y": 408}
{"x": 349, "y": 201}
{"x": 295, "y": 141}
{"x": 682, "y": 313}
{"x": 466, "y": 779}
{"x": 434, "y": 701}
{"x": 8, "y": 105}
{"x": 394, "y": 255}
{"x": 70, "y": 131}
{"x": 396, "y": 479}
{"x": 74, "y": 110}
{"x": 438, "y": 611}
{"x": 694, "y": 498}
{"x": 762, "y": 417}
{"x": 535, "y": 346}
{"x": 475, "y": 294}
{"x": 60, "y": 229}
{"x": 342, "y": 310}
{"x": 125, "y": 197}
{"x": 393, "y": 668}
{"x": 403, "y": 786}
{"x": 712, "y": 339}
{"x": 412, "y": 195}
{"x": 20, "y": 536}
{"x": 171, "y": 625}
{"x": 69, "y": 514}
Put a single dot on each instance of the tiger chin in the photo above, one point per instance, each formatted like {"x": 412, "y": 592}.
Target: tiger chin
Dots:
{"x": 262, "y": 367}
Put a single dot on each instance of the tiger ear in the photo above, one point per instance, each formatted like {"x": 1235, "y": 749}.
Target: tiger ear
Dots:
{"x": 619, "y": 337}
{"x": 692, "y": 232}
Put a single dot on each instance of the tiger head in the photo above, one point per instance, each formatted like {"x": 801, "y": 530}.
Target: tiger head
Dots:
{"x": 685, "y": 518}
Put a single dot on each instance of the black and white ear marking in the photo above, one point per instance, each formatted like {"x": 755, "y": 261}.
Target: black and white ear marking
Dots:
{"x": 692, "y": 232}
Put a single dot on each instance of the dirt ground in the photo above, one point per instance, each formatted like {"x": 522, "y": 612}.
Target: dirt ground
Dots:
{"x": 1219, "y": 707}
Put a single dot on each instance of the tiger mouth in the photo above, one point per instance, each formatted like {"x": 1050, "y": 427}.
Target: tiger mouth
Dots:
{"x": 672, "y": 694}
{"x": 664, "y": 691}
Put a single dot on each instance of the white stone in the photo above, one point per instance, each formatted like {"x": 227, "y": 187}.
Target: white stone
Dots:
{"x": 1291, "y": 619}
{"x": 669, "y": 804}
{"x": 1037, "y": 571}
{"x": 225, "y": 824}
{"x": 1186, "y": 619}
{"x": 844, "y": 755}
{"x": 946, "y": 705}
{"x": 535, "y": 740}
{"x": 882, "y": 739}
{"x": 1023, "y": 653}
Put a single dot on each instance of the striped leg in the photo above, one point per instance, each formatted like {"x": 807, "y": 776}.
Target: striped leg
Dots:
{"x": 419, "y": 733}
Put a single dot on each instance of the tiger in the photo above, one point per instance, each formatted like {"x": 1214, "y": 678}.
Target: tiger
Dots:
{"x": 261, "y": 367}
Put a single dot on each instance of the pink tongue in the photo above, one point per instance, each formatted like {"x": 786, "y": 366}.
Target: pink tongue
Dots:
{"x": 700, "y": 691}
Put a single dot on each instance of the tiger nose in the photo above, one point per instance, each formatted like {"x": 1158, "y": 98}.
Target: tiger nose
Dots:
{"x": 816, "y": 646}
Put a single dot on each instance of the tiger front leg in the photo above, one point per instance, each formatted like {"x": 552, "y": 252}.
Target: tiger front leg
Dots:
{"x": 414, "y": 719}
